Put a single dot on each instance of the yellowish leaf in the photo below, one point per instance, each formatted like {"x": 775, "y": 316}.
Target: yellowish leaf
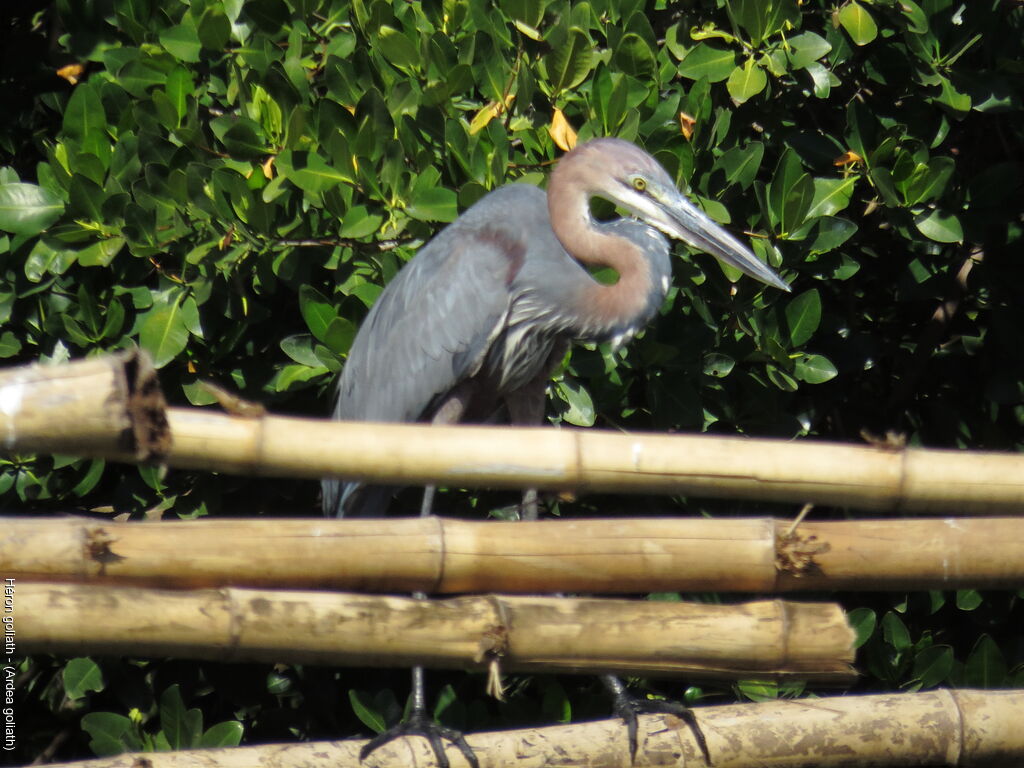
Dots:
{"x": 562, "y": 133}
{"x": 848, "y": 158}
{"x": 268, "y": 167}
{"x": 686, "y": 125}
{"x": 480, "y": 120}
{"x": 72, "y": 73}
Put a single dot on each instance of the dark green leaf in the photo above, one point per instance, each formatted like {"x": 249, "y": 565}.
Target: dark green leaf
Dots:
{"x": 706, "y": 61}
{"x": 111, "y": 734}
{"x": 80, "y": 676}
{"x": 316, "y": 310}
{"x": 397, "y": 48}
{"x": 814, "y": 369}
{"x": 895, "y": 632}
{"x": 309, "y": 172}
{"x": 101, "y": 253}
{"x": 368, "y": 716}
{"x": 555, "y": 704}
{"x": 746, "y": 82}
{"x": 831, "y": 196}
{"x": 359, "y": 223}
{"x": 339, "y": 335}
{"x": 986, "y": 666}
{"x": 803, "y": 315}
{"x": 182, "y": 41}
{"x": 634, "y": 56}
{"x": 182, "y": 728}
{"x": 9, "y": 344}
{"x": 26, "y": 209}
{"x": 213, "y": 28}
{"x": 90, "y": 479}
{"x": 939, "y": 226}
{"x": 580, "y": 407}
{"x": 162, "y": 332}
{"x": 968, "y": 599}
{"x": 806, "y": 48}
{"x": 226, "y": 734}
{"x": 830, "y": 233}
{"x": 568, "y": 65}
{"x": 741, "y": 164}
{"x": 718, "y": 365}
{"x": 858, "y": 23}
{"x": 930, "y": 180}
{"x": 780, "y": 378}
{"x": 434, "y": 204}
{"x": 797, "y": 205}
{"x": 933, "y": 665}
{"x": 863, "y": 621}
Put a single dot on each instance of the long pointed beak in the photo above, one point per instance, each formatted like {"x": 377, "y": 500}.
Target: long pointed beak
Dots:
{"x": 686, "y": 222}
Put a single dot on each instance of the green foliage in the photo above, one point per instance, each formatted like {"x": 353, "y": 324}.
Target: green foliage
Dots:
{"x": 111, "y": 733}
{"x": 230, "y": 184}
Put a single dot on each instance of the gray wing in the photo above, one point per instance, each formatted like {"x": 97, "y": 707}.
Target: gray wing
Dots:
{"x": 433, "y": 324}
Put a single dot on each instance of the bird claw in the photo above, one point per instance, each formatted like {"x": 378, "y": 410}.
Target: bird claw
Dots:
{"x": 629, "y": 707}
{"x": 418, "y": 724}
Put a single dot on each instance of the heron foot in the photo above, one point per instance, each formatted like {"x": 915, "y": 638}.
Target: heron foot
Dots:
{"x": 419, "y": 724}
{"x": 629, "y": 708}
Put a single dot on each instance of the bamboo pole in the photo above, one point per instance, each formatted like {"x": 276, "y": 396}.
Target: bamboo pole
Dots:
{"x": 109, "y": 405}
{"x": 936, "y": 728}
{"x": 448, "y": 556}
{"x": 592, "y": 460}
{"x": 774, "y": 639}
{"x": 587, "y": 460}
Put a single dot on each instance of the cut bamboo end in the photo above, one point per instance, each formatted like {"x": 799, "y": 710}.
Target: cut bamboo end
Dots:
{"x": 936, "y": 728}
{"x": 766, "y": 639}
{"x": 110, "y": 405}
{"x": 447, "y": 556}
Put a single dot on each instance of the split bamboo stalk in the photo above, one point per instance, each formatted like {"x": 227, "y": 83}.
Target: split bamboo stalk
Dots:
{"x": 773, "y": 639}
{"x": 910, "y": 480}
{"x": 936, "y": 728}
{"x": 448, "y": 556}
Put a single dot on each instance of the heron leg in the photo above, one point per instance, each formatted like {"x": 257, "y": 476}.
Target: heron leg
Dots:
{"x": 419, "y": 722}
{"x": 629, "y": 707}
{"x": 526, "y": 408}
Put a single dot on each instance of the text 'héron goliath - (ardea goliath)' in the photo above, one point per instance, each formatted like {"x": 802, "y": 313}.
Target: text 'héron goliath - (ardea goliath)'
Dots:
{"x": 476, "y": 320}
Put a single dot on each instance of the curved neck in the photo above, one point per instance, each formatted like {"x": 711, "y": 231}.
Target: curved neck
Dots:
{"x": 600, "y": 309}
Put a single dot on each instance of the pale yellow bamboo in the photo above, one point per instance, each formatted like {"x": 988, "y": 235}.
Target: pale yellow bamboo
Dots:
{"x": 936, "y": 728}
{"x": 106, "y": 406}
{"x": 759, "y": 639}
{"x": 949, "y": 553}
{"x": 586, "y": 460}
{"x": 445, "y": 556}
{"x": 592, "y": 460}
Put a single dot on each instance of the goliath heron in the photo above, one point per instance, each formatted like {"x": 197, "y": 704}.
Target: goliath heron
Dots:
{"x": 476, "y": 320}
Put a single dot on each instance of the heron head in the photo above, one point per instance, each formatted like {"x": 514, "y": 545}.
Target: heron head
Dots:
{"x": 623, "y": 173}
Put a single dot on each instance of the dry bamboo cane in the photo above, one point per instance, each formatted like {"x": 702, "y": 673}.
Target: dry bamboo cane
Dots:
{"x": 446, "y": 556}
{"x": 588, "y": 460}
{"x": 109, "y": 405}
{"x": 592, "y": 460}
{"x": 937, "y": 728}
{"x": 771, "y": 639}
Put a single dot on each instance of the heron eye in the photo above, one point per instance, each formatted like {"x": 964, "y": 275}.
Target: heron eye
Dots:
{"x": 639, "y": 183}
